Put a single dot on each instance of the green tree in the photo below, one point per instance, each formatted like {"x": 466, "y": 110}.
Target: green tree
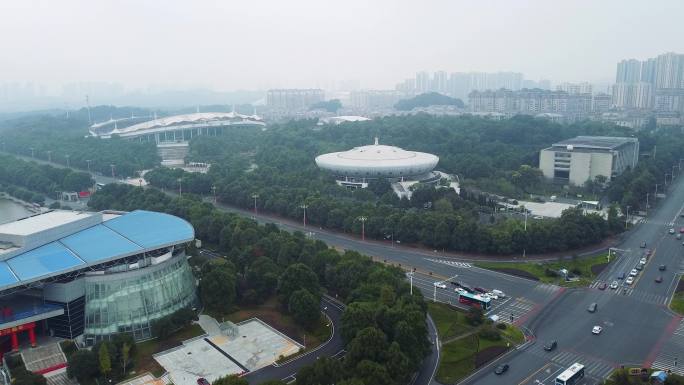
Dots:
{"x": 105, "y": 361}
{"x": 83, "y": 365}
{"x": 325, "y": 371}
{"x": 231, "y": 380}
{"x": 298, "y": 276}
{"x": 217, "y": 288}
{"x": 125, "y": 356}
{"x": 304, "y": 307}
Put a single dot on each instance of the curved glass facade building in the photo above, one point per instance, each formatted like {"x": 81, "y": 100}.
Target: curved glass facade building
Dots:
{"x": 127, "y": 302}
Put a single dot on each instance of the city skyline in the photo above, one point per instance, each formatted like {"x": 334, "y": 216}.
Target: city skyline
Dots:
{"x": 304, "y": 44}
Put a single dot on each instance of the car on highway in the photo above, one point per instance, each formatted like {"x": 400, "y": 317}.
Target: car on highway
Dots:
{"x": 501, "y": 369}
{"x": 440, "y": 285}
{"x": 490, "y": 295}
{"x": 480, "y": 290}
{"x": 679, "y": 236}
{"x": 549, "y": 346}
{"x": 596, "y": 330}
{"x": 633, "y": 273}
{"x": 671, "y": 231}
{"x": 629, "y": 280}
{"x": 681, "y": 230}
{"x": 643, "y": 245}
{"x": 202, "y": 381}
{"x": 592, "y": 307}
{"x": 456, "y": 283}
{"x": 621, "y": 275}
{"x": 614, "y": 285}
{"x": 662, "y": 267}
{"x": 460, "y": 291}
{"x": 602, "y": 286}
{"x": 659, "y": 279}
{"x": 499, "y": 293}
{"x": 643, "y": 261}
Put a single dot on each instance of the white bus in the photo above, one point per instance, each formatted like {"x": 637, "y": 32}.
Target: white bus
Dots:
{"x": 571, "y": 375}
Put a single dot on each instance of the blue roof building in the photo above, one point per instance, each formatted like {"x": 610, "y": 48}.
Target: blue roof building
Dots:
{"x": 93, "y": 275}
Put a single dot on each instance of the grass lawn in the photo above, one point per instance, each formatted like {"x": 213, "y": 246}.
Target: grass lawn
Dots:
{"x": 144, "y": 350}
{"x": 537, "y": 270}
{"x": 270, "y": 313}
{"x": 460, "y": 357}
{"x": 677, "y": 303}
{"x": 450, "y": 321}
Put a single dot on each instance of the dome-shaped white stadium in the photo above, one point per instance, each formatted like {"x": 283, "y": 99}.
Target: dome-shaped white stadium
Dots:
{"x": 377, "y": 161}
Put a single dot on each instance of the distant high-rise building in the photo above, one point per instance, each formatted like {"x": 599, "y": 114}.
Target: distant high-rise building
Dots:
{"x": 648, "y": 71}
{"x": 374, "y": 99}
{"x": 422, "y": 82}
{"x": 643, "y": 95}
{"x": 623, "y": 95}
{"x": 669, "y": 68}
{"x": 532, "y": 102}
{"x": 601, "y": 102}
{"x": 293, "y": 99}
{"x": 628, "y": 71}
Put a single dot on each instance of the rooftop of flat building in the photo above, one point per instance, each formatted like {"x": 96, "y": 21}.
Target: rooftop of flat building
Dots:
{"x": 596, "y": 142}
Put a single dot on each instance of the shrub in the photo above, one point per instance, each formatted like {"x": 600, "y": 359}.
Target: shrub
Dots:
{"x": 501, "y": 326}
{"x": 490, "y": 333}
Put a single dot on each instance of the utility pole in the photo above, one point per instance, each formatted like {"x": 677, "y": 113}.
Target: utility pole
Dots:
{"x": 112, "y": 166}
{"x": 255, "y": 196}
{"x": 363, "y": 220}
{"x": 411, "y": 279}
{"x": 88, "y": 162}
{"x": 213, "y": 190}
{"x": 180, "y": 187}
{"x": 304, "y": 206}
{"x": 627, "y": 216}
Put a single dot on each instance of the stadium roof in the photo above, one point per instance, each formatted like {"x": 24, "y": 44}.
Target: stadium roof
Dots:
{"x": 596, "y": 142}
{"x": 41, "y": 222}
{"x": 128, "y": 234}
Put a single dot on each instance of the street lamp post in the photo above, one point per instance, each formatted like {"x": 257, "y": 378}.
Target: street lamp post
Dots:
{"x": 213, "y": 190}
{"x": 304, "y": 207}
{"x": 67, "y": 160}
{"x": 363, "y": 220}
{"x": 112, "y": 166}
{"x": 88, "y": 162}
{"x": 180, "y": 187}
{"x": 627, "y": 216}
{"x": 255, "y": 196}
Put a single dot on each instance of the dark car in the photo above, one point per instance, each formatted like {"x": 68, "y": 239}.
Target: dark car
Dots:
{"x": 621, "y": 275}
{"x": 550, "y": 346}
{"x": 468, "y": 289}
{"x": 455, "y": 283}
{"x": 202, "y": 381}
{"x": 602, "y": 286}
{"x": 659, "y": 279}
{"x": 662, "y": 267}
{"x": 501, "y": 369}
{"x": 479, "y": 290}
{"x": 592, "y": 307}
{"x": 643, "y": 245}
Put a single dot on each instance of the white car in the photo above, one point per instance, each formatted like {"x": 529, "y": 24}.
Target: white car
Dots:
{"x": 499, "y": 293}
{"x": 460, "y": 291}
{"x": 671, "y": 231}
{"x": 440, "y": 285}
{"x": 643, "y": 261}
{"x": 633, "y": 273}
{"x": 614, "y": 285}
{"x": 629, "y": 280}
{"x": 596, "y": 330}
{"x": 492, "y": 295}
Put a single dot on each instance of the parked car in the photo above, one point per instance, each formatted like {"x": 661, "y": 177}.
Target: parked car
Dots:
{"x": 662, "y": 267}
{"x": 679, "y": 236}
{"x": 633, "y": 273}
{"x": 550, "y": 346}
{"x": 614, "y": 285}
{"x": 643, "y": 260}
{"x": 501, "y": 369}
{"x": 592, "y": 307}
{"x": 659, "y": 279}
{"x": 639, "y": 266}
{"x": 629, "y": 280}
{"x": 602, "y": 286}
{"x": 596, "y": 330}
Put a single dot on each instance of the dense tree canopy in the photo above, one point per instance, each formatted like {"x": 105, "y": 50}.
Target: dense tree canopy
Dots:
{"x": 426, "y": 100}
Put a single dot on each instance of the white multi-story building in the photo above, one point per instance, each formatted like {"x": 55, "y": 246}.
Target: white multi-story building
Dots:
{"x": 293, "y": 99}
{"x": 583, "y": 158}
{"x": 575, "y": 88}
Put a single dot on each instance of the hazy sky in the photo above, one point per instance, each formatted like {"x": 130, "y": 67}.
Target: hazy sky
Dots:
{"x": 254, "y": 44}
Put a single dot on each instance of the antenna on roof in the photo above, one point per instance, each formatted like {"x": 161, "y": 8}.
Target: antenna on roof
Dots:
{"x": 90, "y": 121}
{"x": 376, "y": 140}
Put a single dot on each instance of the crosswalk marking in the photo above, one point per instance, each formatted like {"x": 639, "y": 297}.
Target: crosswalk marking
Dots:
{"x": 517, "y": 308}
{"x": 596, "y": 368}
{"x": 672, "y": 352}
{"x": 463, "y": 265}
{"x": 546, "y": 288}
